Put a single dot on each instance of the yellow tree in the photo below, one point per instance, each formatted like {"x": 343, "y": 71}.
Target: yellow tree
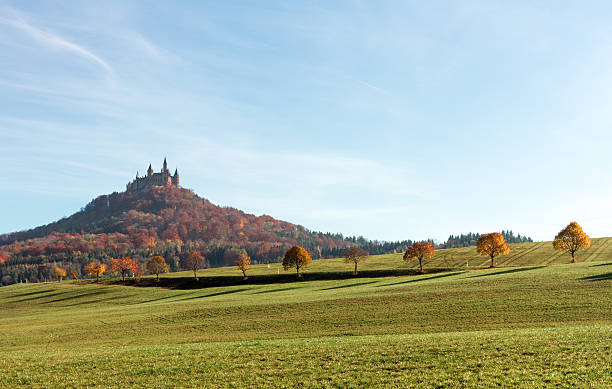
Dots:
{"x": 491, "y": 245}
{"x": 297, "y": 257}
{"x": 157, "y": 265}
{"x": 59, "y": 273}
{"x": 96, "y": 268}
{"x": 355, "y": 255}
{"x": 243, "y": 261}
{"x": 571, "y": 239}
{"x": 420, "y": 251}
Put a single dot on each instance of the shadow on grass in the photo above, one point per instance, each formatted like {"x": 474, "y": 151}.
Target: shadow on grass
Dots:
{"x": 100, "y": 301}
{"x": 599, "y": 277}
{"x": 78, "y": 296}
{"x": 38, "y": 297}
{"x": 163, "y": 298}
{"x": 602, "y": 264}
{"x": 276, "y": 290}
{"x": 213, "y": 294}
{"x": 216, "y": 281}
{"x": 349, "y": 285}
{"x": 421, "y": 279}
{"x": 32, "y": 293}
{"x": 516, "y": 270}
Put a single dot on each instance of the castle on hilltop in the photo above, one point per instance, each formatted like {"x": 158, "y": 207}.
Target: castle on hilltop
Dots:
{"x": 163, "y": 178}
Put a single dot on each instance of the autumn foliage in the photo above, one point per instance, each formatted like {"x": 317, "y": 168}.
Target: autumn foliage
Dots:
{"x": 571, "y": 239}
{"x": 355, "y": 255}
{"x": 171, "y": 222}
{"x": 420, "y": 251}
{"x": 96, "y": 269}
{"x": 124, "y": 265}
{"x": 243, "y": 261}
{"x": 491, "y": 245}
{"x": 59, "y": 273}
{"x": 297, "y": 257}
{"x": 156, "y": 265}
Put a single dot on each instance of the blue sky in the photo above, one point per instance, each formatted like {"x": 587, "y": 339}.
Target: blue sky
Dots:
{"x": 392, "y": 120}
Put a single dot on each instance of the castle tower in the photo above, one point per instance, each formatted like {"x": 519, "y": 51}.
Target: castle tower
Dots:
{"x": 175, "y": 178}
{"x": 165, "y": 167}
{"x": 149, "y": 171}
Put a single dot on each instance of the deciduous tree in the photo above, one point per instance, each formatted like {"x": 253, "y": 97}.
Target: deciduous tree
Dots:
{"x": 3, "y": 257}
{"x": 491, "y": 245}
{"x": 355, "y": 255}
{"x": 243, "y": 261}
{"x": 571, "y": 239}
{"x": 96, "y": 268}
{"x": 297, "y": 257}
{"x": 124, "y": 265}
{"x": 420, "y": 251}
{"x": 194, "y": 262}
{"x": 156, "y": 265}
{"x": 59, "y": 273}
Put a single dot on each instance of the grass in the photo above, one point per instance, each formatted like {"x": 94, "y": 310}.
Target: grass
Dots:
{"x": 521, "y": 254}
{"x": 529, "y": 326}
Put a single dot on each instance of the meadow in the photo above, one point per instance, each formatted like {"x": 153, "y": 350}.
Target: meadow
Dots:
{"x": 536, "y": 321}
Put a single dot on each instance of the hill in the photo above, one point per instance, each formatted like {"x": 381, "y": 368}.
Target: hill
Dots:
{"x": 164, "y": 220}
{"x": 544, "y": 326}
{"x": 169, "y": 221}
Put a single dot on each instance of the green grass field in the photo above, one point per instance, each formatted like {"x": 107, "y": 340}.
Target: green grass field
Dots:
{"x": 521, "y": 254}
{"x": 526, "y": 326}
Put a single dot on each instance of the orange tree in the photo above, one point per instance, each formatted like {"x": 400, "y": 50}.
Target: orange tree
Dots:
{"x": 96, "y": 268}
{"x": 156, "y": 265}
{"x": 297, "y": 257}
{"x": 243, "y": 261}
{"x": 59, "y": 273}
{"x": 420, "y": 251}
{"x": 124, "y": 265}
{"x": 355, "y": 255}
{"x": 571, "y": 239}
{"x": 491, "y": 245}
{"x": 194, "y": 262}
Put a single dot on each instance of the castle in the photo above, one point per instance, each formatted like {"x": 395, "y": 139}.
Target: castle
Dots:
{"x": 163, "y": 178}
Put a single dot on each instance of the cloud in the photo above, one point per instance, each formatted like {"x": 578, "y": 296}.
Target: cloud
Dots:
{"x": 55, "y": 42}
{"x": 315, "y": 172}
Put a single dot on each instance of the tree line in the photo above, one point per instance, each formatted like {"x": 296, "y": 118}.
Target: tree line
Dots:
{"x": 471, "y": 239}
{"x": 571, "y": 239}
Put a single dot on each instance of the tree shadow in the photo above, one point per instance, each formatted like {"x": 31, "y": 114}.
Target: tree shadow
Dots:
{"x": 163, "y": 298}
{"x": 276, "y": 290}
{"x": 516, "y": 270}
{"x": 265, "y": 279}
{"x": 78, "y": 296}
{"x": 421, "y": 279}
{"x": 602, "y": 264}
{"x": 31, "y": 293}
{"x": 598, "y": 277}
{"x": 98, "y": 301}
{"x": 41, "y": 297}
{"x": 213, "y": 294}
{"x": 350, "y": 285}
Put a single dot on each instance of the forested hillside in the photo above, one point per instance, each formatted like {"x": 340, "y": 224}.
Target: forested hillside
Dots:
{"x": 166, "y": 221}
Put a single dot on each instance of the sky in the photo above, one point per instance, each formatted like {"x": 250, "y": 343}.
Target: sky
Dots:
{"x": 392, "y": 120}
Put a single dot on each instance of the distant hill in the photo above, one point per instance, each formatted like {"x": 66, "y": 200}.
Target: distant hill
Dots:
{"x": 169, "y": 221}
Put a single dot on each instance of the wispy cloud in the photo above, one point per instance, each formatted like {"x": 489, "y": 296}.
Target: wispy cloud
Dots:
{"x": 56, "y": 42}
